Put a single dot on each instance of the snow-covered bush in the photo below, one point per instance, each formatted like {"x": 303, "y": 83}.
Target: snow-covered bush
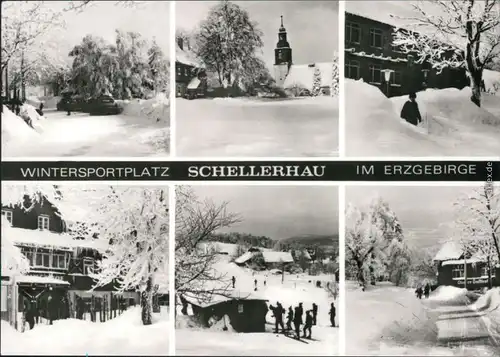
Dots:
{"x": 316, "y": 88}
{"x": 156, "y": 109}
{"x": 13, "y": 261}
{"x": 334, "y": 88}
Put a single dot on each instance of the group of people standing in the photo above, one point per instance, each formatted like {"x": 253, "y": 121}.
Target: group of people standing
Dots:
{"x": 295, "y": 316}
{"x": 423, "y": 291}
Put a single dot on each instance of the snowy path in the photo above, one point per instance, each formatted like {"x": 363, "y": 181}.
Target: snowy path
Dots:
{"x": 389, "y": 320}
{"x": 237, "y": 127}
{"x": 84, "y": 135}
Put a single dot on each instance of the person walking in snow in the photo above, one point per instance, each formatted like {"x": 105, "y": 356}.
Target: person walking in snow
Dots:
{"x": 308, "y": 324}
{"x": 410, "y": 111}
{"x": 314, "y": 314}
{"x": 419, "y": 292}
{"x": 427, "y": 290}
{"x": 278, "y": 312}
{"x": 332, "y": 314}
{"x": 255, "y": 284}
{"x": 30, "y": 312}
{"x": 301, "y": 311}
{"x": 289, "y": 319}
{"x": 297, "y": 321}
{"x": 234, "y": 281}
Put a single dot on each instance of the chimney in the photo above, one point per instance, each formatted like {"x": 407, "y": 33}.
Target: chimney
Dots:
{"x": 180, "y": 43}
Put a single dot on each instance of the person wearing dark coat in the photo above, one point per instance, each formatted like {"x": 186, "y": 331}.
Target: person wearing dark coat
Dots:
{"x": 301, "y": 311}
{"x": 234, "y": 281}
{"x": 52, "y": 307}
{"x": 30, "y": 313}
{"x": 308, "y": 324}
{"x": 410, "y": 111}
{"x": 332, "y": 314}
{"x": 40, "y": 110}
{"x": 427, "y": 290}
{"x": 297, "y": 321}
{"x": 255, "y": 284}
{"x": 419, "y": 292}
{"x": 278, "y": 312}
{"x": 314, "y": 313}
{"x": 289, "y": 319}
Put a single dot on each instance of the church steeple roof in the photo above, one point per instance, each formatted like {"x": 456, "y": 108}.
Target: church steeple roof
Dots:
{"x": 282, "y": 28}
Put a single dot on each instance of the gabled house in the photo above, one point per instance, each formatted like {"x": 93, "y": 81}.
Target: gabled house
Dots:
{"x": 190, "y": 75}
{"x": 455, "y": 268}
{"x": 60, "y": 266}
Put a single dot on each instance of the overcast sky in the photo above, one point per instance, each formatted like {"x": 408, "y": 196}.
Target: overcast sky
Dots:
{"x": 312, "y": 26}
{"x": 424, "y": 211}
{"x": 102, "y": 18}
{"x": 279, "y": 211}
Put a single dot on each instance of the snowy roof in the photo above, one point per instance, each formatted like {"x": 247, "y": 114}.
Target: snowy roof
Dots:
{"x": 21, "y": 236}
{"x": 379, "y": 57}
{"x": 277, "y": 257}
{"x": 40, "y": 280}
{"x": 302, "y": 75}
{"x": 194, "y": 84}
{"x": 226, "y": 248}
{"x": 244, "y": 258}
{"x": 449, "y": 251}
{"x": 461, "y": 261}
{"x": 187, "y": 57}
{"x": 214, "y": 299}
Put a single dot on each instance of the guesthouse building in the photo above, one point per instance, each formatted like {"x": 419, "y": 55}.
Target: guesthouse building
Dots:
{"x": 370, "y": 55}
{"x": 190, "y": 76}
{"x": 464, "y": 271}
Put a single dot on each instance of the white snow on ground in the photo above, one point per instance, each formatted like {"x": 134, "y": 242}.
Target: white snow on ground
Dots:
{"x": 15, "y": 129}
{"x": 257, "y": 127}
{"x": 489, "y": 304}
{"x": 391, "y": 321}
{"x": 135, "y": 132}
{"x": 295, "y": 289}
{"x": 447, "y": 293}
{"x": 452, "y": 124}
{"x": 124, "y": 335}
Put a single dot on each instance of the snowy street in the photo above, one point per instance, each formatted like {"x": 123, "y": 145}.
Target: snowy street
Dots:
{"x": 390, "y": 320}
{"x": 257, "y": 127}
{"x": 83, "y": 135}
{"x": 124, "y": 335}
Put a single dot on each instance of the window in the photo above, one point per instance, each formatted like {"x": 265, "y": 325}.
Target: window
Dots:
{"x": 240, "y": 308}
{"x": 353, "y": 32}
{"x": 88, "y": 266}
{"x": 411, "y": 60}
{"x": 42, "y": 260}
{"x": 43, "y": 222}
{"x": 376, "y": 38}
{"x": 280, "y": 54}
{"x": 28, "y": 253}
{"x": 59, "y": 261}
{"x": 375, "y": 74}
{"x": 352, "y": 69}
{"x": 484, "y": 271}
{"x": 179, "y": 70}
{"x": 458, "y": 272}
{"x": 396, "y": 79}
{"x": 7, "y": 213}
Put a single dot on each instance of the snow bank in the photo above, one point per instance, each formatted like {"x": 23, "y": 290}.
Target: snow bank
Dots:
{"x": 15, "y": 128}
{"x": 124, "y": 335}
{"x": 155, "y": 109}
{"x": 488, "y": 301}
{"x": 452, "y": 125}
{"x": 448, "y": 293}
{"x": 28, "y": 112}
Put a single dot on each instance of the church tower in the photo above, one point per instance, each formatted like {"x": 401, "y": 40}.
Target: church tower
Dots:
{"x": 282, "y": 57}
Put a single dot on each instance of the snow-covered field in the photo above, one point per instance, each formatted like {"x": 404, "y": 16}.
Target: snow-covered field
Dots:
{"x": 257, "y": 127}
{"x": 125, "y": 335}
{"x": 452, "y": 125}
{"x": 135, "y": 132}
{"x": 295, "y": 289}
{"x": 391, "y": 321}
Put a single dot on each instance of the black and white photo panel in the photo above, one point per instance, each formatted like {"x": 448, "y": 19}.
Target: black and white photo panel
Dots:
{"x": 422, "y": 270}
{"x": 419, "y": 81}
{"x": 257, "y": 78}
{"x": 84, "y": 270}
{"x": 257, "y": 270}
{"x": 85, "y": 78}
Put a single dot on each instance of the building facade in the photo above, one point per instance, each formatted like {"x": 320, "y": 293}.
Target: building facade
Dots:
{"x": 370, "y": 54}
{"x": 58, "y": 282}
{"x": 453, "y": 269}
{"x": 190, "y": 78}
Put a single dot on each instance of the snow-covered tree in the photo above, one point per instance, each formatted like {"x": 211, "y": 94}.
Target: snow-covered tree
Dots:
{"x": 158, "y": 68}
{"x": 226, "y": 40}
{"x": 454, "y": 34}
{"x": 334, "y": 88}
{"x": 195, "y": 222}
{"x": 364, "y": 239}
{"x": 13, "y": 261}
{"x": 316, "y": 87}
{"x": 477, "y": 224}
{"x": 134, "y": 221}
